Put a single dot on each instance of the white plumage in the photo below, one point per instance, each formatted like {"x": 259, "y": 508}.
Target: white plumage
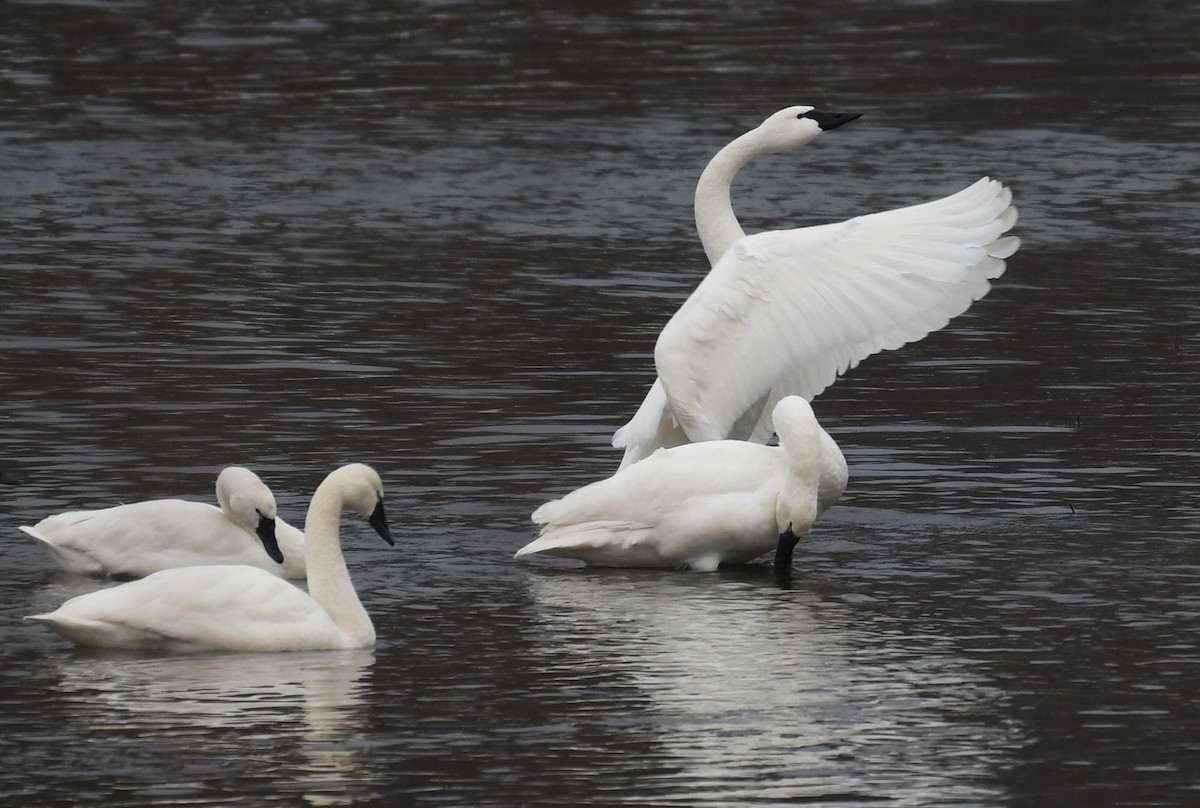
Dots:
{"x": 702, "y": 504}
{"x": 141, "y": 538}
{"x": 242, "y": 608}
{"x": 785, "y": 312}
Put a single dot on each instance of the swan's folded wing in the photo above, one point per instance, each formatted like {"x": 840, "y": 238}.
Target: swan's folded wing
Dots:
{"x": 643, "y": 492}
{"x": 619, "y": 520}
{"x": 786, "y": 312}
{"x": 230, "y": 607}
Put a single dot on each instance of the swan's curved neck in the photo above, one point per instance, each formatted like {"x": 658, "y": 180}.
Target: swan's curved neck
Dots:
{"x": 798, "y": 504}
{"x": 329, "y": 581}
{"x": 715, "y": 220}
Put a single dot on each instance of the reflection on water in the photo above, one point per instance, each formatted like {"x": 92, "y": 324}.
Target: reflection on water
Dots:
{"x": 767, "y": 696}
{"x": 440, "y": 237}
{"x": 202, "y": 707}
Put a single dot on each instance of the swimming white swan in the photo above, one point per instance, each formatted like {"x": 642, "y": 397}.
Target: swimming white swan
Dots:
{"x": 701, "y": 504}
{"x": 785, "y": 312}
{"x": 140, "y": 538}
{"x": 241, "y": 608}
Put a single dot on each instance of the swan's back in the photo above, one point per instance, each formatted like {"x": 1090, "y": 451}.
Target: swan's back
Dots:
{"x": 142, "y": 538}
{"x": 136, "y": 539}
{"x": 694, "y": 505}
{"x": 227, "y": 608}
{"x": 643, "y": 492}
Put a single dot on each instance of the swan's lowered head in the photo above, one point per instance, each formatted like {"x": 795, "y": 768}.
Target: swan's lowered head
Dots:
{"x": 792, "y": 127}
{"x": 797, "y": 505}
{"x": 249, "y": 503}
{"x": 359, "y": 488}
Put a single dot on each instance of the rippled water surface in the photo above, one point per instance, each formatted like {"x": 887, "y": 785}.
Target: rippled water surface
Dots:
{"x": 441, "y": 238}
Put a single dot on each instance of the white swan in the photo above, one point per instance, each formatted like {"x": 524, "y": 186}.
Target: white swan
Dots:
{"x": 785, "y": 312}
{"x": 241, "y": 608}
{"x": 141, "y": 538}
{"x": 701, "y": 504}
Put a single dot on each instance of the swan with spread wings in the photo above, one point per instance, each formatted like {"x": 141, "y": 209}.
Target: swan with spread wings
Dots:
{"x": 785, "y": 312}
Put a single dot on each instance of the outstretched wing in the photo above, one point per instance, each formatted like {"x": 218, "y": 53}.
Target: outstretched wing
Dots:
{"x": 785, "y": 312}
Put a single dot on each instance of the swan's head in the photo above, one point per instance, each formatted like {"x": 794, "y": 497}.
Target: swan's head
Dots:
{"x": 361, "y": 491}
{"x": 792, "y": 127}
{"x": 794, "y": 420}
{"x": 250, "y": 505}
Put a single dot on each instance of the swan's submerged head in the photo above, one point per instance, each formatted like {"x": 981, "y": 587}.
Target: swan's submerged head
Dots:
{"x": 792, "y": 127}
{"x": 250, "y": 505}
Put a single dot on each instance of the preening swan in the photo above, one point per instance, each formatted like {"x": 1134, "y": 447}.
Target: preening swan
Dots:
{"x": 785, "y": 312}
{"x": 701, "y": 504}
{"x": 241, "y": 608}
{"x": 140, "y": 538}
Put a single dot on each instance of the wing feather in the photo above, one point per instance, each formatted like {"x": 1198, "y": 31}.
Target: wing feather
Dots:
{"x": 786, "y": 312}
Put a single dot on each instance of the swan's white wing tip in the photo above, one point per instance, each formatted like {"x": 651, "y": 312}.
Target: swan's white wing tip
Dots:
{"x": 1004, "y": 247}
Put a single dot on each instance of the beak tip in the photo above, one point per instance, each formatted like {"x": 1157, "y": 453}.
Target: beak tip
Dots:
{"x": 378, "y": 521}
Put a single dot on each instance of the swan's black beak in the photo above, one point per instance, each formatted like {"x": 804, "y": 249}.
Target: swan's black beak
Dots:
{"x": 379, "y": 522}
{"x": 266, "y": 534}
{"x": 831, "y": 120}
{"x": 783, "y": 552}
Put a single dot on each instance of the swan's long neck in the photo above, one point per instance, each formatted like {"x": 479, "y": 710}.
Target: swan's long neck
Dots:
{"x": 329, "y": 581}
{"x": 798, "y": 502}
{"x": 715, "y": 220}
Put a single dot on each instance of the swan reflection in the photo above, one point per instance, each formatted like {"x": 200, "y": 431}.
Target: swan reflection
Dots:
{"x": 762, "y": 693}
{"x": 312, "y": 702}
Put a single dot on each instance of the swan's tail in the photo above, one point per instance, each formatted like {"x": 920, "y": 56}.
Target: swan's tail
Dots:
{"x": 561, "y": 539}
{"x": 598, "y": 543}
{"x": 64, "y": 557}
{"x": 95, "y": 633}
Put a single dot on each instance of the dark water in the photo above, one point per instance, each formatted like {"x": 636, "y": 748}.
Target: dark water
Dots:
{"x": 441, "y": 237}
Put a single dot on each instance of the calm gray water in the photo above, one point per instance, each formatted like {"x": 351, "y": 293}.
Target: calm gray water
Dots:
{"x": 441, "y": 237}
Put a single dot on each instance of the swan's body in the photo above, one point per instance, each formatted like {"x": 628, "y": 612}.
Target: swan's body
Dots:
{"x": 141, "y": 538}
{"x": 702, "y": 504}
{"x": 240, "y": 608}
{"x": 785, "y": 312}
